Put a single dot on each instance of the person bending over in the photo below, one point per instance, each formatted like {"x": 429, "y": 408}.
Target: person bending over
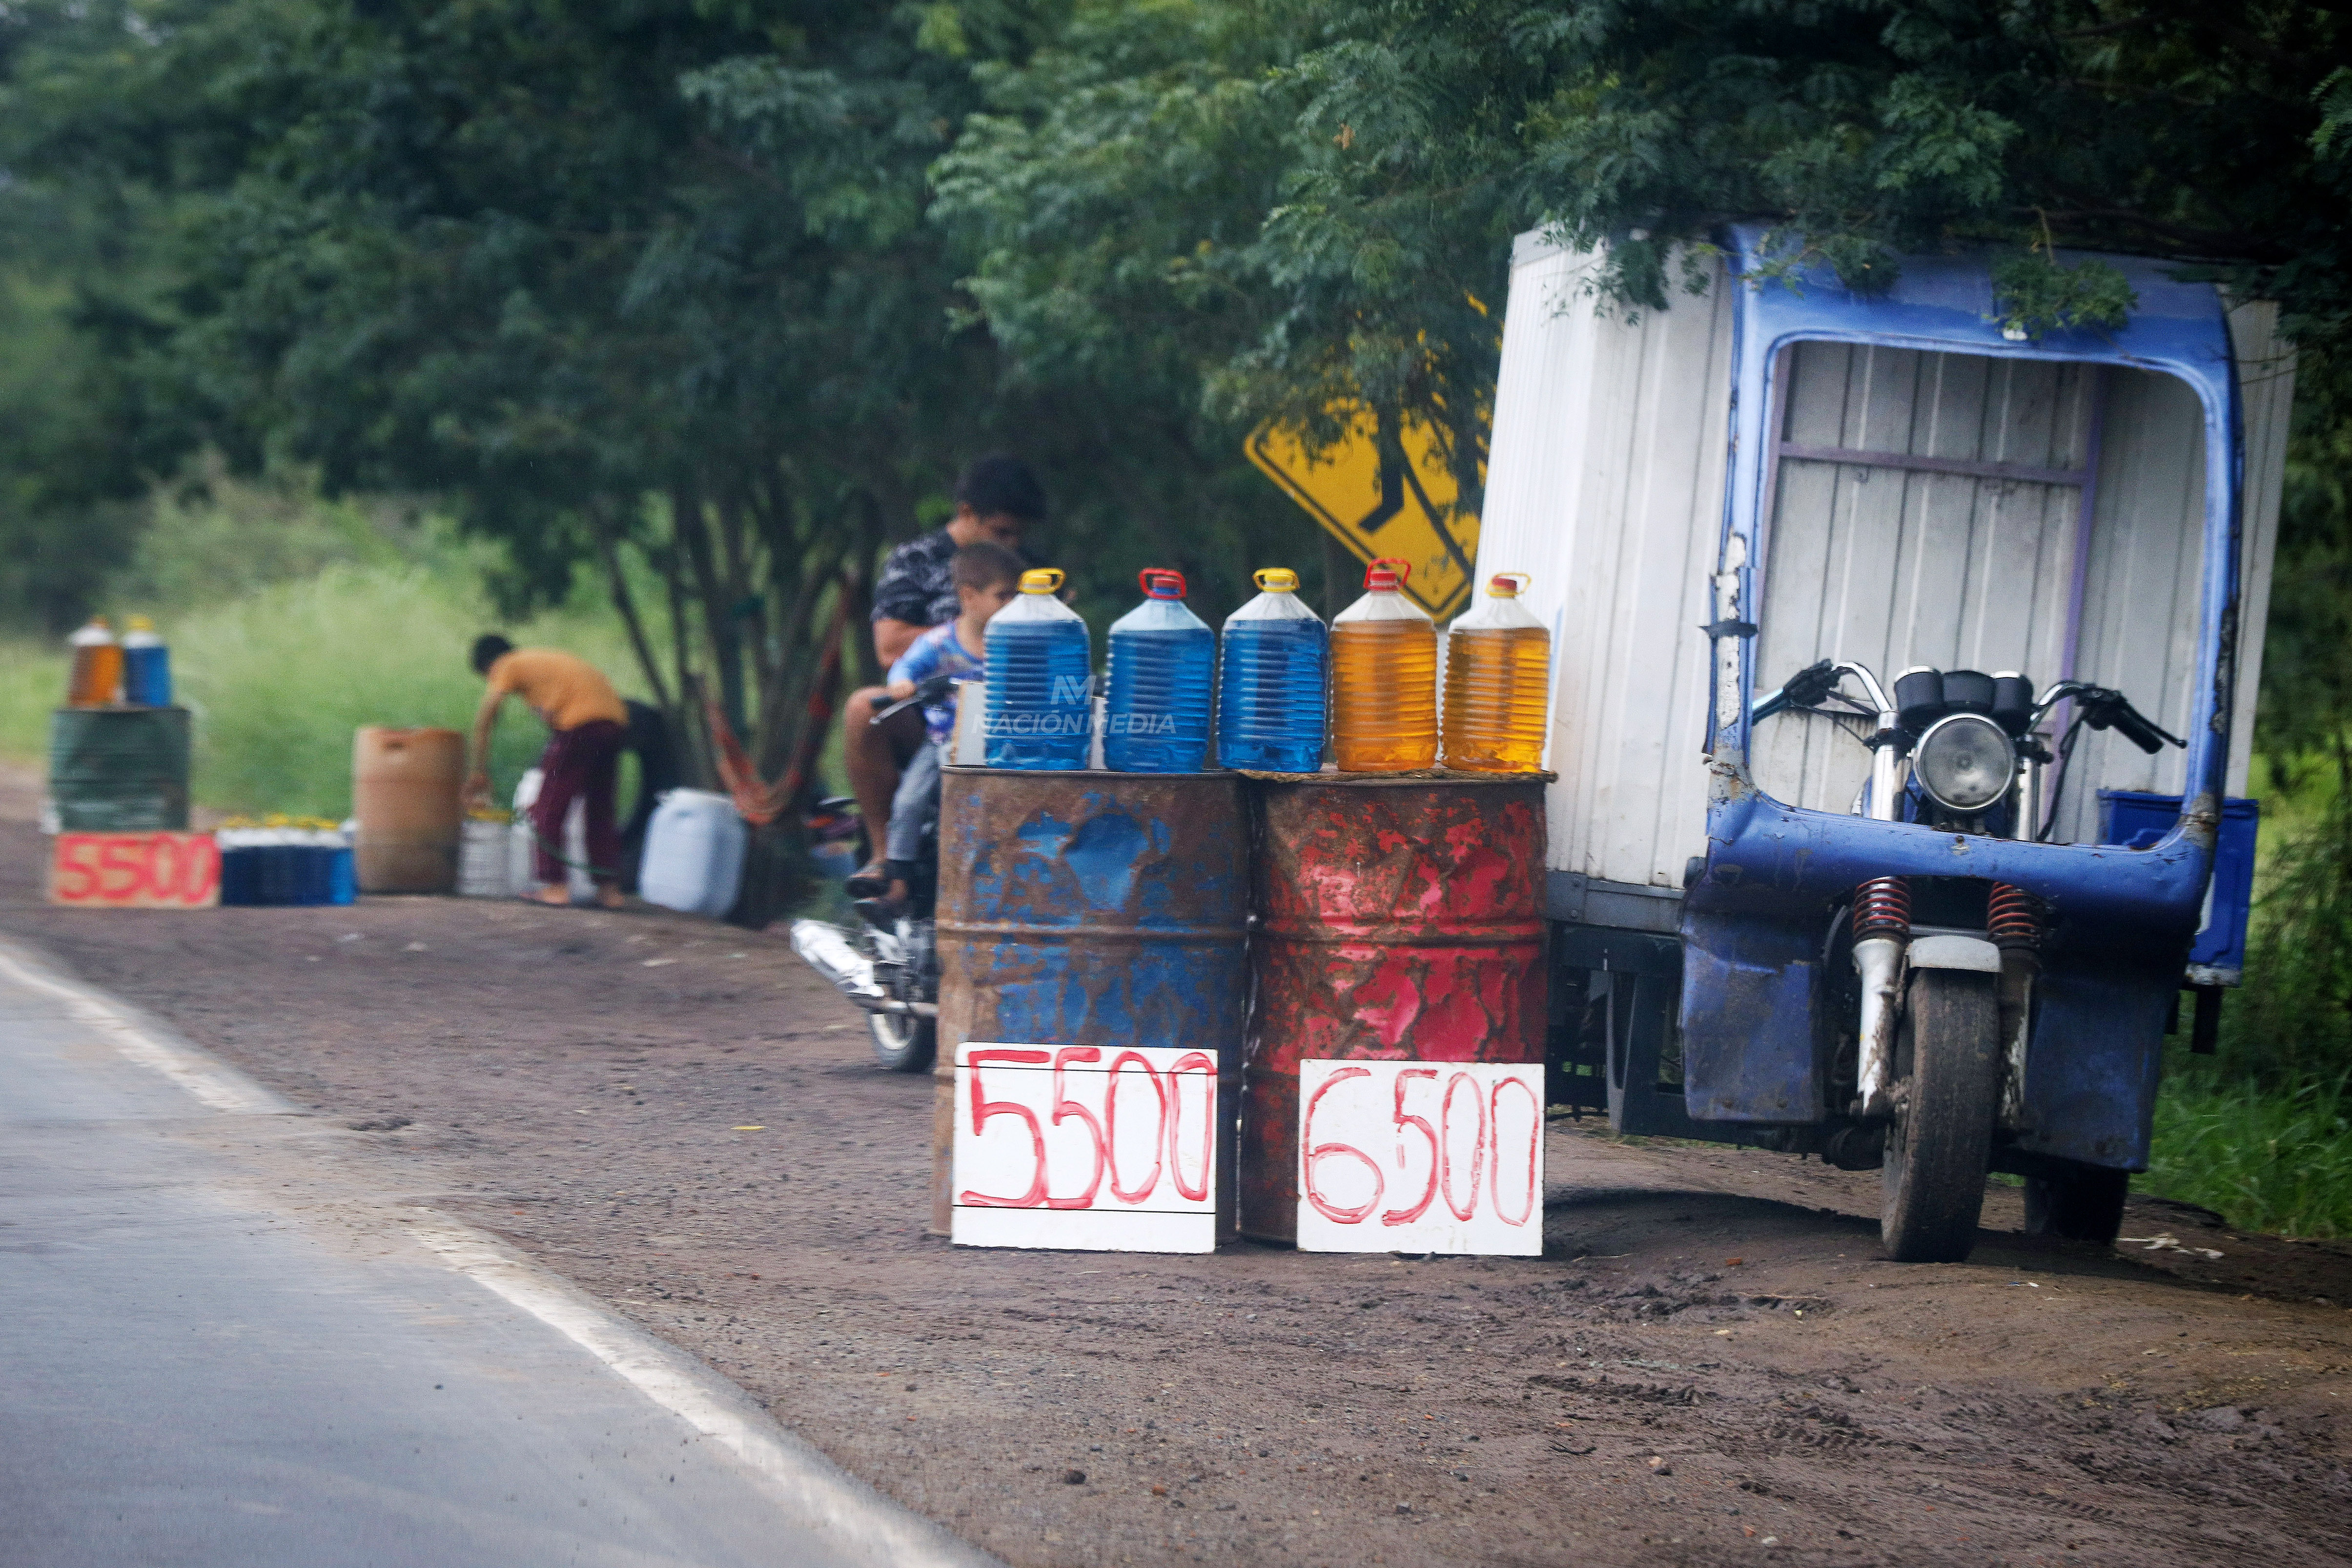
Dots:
{"x": 985, "y": 576}
{"x": 996, "y": 499}
{"x": 587, "y": 725}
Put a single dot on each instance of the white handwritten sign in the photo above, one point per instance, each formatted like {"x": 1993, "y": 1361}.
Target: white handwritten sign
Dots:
{"x": 1421, "y": 1157}
{"x": 1087, "y": 1147}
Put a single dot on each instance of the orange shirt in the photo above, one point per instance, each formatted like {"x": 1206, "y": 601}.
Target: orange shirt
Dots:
{"x": 565, "y": 690}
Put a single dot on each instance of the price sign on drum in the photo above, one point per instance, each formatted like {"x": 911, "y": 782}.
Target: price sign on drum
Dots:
{"x": 134, "y": 871}
{"x": 1095, "y": 1148}
{"x": 1421, "y": 1157}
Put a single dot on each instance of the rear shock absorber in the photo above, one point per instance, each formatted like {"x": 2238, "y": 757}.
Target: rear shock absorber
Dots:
{"x": 2014, "y": 919}
{"x": 1881, "y": 926}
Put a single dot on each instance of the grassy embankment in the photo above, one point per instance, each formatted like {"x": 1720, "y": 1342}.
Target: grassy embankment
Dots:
{"x": 290, "y": 626}
{"x": 2270, "y": 1159}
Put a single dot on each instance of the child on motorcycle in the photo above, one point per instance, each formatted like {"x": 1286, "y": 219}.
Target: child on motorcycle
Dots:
{"x": 985, "y": 576}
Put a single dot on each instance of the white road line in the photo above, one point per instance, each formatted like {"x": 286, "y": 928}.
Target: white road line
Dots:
{"x": 803, "y": 1481}
{"x": 214, "y": 1086}
{"x": 811, "y": 1486}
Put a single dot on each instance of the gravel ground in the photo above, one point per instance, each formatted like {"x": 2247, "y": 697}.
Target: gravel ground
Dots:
{"x": 1711, "y": 1364}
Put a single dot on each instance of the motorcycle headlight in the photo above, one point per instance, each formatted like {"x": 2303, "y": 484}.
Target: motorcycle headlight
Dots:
{"x": 1965, "y": 763}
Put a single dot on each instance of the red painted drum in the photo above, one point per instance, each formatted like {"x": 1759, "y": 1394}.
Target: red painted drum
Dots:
{"x": 1399, "y": 919}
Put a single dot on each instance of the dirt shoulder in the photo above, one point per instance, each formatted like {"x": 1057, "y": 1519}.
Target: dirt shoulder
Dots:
{"x": 1711, "y": 1364}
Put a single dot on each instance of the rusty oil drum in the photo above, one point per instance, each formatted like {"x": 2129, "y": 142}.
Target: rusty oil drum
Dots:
{"x": 1399, "y": 919}
{"x": 1092, "y": 908}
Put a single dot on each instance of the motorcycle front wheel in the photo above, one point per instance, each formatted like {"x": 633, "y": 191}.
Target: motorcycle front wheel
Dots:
{"x": 902, "y": 1044}
{"x": 1947, "y": 1066}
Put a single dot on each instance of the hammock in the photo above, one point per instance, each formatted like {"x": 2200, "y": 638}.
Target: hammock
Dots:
{"x": 762, "y": 803}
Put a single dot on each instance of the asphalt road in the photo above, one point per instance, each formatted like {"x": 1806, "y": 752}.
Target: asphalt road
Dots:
{"x": 213, "y": 1354}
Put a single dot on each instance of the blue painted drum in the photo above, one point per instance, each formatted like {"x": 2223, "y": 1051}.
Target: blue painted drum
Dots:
{"x": 1092, "y": 908}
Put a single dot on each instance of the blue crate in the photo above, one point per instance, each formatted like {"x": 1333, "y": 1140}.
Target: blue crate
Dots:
{"x": 2135, "y": 820}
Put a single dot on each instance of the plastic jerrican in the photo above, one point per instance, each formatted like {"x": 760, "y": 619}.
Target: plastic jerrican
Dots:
{"x": 694, "y": 854}
{"x": 96, "y": 678}
{"x": 1163, "y": 664}
{"x": 1497, "y": 683}
{"x": 1383, "y": 678}
{"x": 1270, "y": 696}
{"x": 146, "y": 664}
{"x": 1040, "y": 682}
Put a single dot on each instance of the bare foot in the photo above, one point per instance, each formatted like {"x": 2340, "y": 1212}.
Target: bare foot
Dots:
{"x": 556, "y": 897}
{"x": 611, "y": 898}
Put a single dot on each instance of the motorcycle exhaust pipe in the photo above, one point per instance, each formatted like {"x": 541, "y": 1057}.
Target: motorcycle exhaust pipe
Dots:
{"x": 828, "y": 950}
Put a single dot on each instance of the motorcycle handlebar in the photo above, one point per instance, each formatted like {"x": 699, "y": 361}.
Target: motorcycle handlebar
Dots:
{"x": 2133, "y": 725}
{"x": 930, "y": 691}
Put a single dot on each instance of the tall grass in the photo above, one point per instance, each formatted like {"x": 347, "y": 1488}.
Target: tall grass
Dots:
{"x": 281, "y": 678}
{"x": 2273, "y": 1159}
{"x": 2262, "y": 1131}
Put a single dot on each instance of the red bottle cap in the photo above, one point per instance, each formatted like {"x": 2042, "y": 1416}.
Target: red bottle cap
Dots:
{"x": 1162, "y": 583}
{"x": 1386, "y": 574}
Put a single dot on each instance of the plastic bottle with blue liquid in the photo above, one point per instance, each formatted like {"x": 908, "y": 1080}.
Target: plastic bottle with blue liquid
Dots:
{"x": 1040, "y": 680}
{"x": 1271, "y": 696}
{"x": 1163, "y": 664}
{"x": 146, "y": 664}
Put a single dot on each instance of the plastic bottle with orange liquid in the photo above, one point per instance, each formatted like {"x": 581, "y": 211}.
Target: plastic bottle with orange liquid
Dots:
{"x": 96, "y": 678}
{"x": 1383, "y": 678}
{"x": 1498, "y": 683}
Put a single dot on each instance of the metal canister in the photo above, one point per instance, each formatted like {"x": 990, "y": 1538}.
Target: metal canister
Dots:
{"x": 1092, "y": 908}
{"x": 120, "y": 769}
{"x": 1399, "y": 919}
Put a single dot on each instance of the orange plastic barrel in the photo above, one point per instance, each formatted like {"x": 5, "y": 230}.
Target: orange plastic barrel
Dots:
{"x": 1398, "y": 920}
{"x": 404, "y": 795}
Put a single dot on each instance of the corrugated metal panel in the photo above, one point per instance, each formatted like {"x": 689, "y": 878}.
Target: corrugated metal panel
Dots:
{"x": 2139, "y": 602}
{"x": 1606, "y": 486}
{"x": 2140, "y": 591}
{"x": 1895, "y": 567}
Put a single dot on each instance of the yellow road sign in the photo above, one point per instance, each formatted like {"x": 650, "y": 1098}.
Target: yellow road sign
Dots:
{"x": 1382, "y": 496}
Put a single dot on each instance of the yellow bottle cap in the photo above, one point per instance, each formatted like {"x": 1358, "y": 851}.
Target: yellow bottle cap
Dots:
{"x": 1044, "y": 579}
{"x": 1275, "y": 578}
{"x": 1508, "y": 584}
{"x": 139, "y": 623}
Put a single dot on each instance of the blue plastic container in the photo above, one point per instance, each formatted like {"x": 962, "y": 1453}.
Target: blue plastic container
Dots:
{"x": 1164, "y": 666}
{"x": 1271, "y": 695}
{"x": 342, "y": 869}
{"x": 146, "y": 665}
{"x": 2135, "y": 820}
{"x": 238, "y": 859}
{"x": 1040, "y": 682}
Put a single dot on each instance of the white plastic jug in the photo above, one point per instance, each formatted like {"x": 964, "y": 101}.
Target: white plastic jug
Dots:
{"x": 522, "y": 876}
{"x": 485, "y": 864}
{"x": 694, "y": 854}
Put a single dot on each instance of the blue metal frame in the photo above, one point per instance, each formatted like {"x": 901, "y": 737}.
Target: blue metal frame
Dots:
{"x": 1754, "y": 920}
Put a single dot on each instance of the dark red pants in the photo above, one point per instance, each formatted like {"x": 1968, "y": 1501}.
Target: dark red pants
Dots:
{"x": 583, "y": 763}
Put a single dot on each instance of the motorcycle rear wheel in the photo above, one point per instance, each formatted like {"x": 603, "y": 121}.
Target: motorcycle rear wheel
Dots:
{"x": 903, "y": 1044}
{"x": 1948, "y": 1063}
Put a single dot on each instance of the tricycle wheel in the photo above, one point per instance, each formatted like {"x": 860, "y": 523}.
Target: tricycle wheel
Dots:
{"x": 1947, "y": 1068}
{"x": 902, "y": 1044}
{"x": 2083, "y": 1203}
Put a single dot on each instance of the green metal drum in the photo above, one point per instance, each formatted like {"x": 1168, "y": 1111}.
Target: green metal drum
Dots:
{"x": 120, "y": 769}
